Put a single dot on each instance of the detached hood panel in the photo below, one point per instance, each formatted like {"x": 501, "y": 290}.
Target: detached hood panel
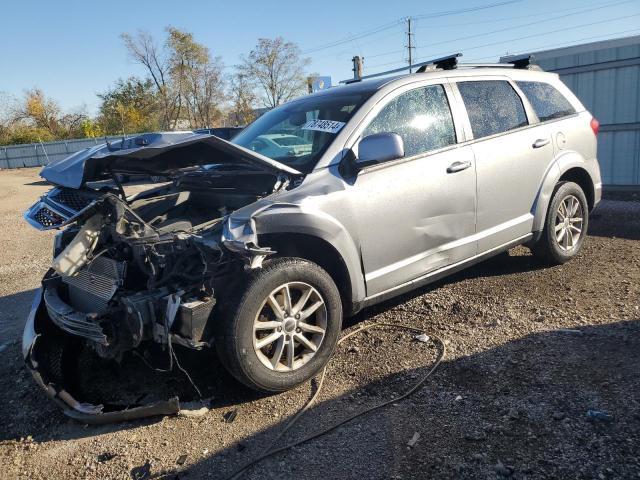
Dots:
{"x": 154, "y": 154}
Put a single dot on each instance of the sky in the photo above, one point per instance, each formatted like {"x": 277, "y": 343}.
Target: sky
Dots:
{"x": 72, "y": 50}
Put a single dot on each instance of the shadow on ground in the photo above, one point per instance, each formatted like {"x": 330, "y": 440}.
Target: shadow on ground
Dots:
{"x": 537, "y": 427}
{"x": 616, "y": 219}
{"x": 137, "y": 383}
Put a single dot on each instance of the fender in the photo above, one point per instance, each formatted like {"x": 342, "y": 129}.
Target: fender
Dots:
{"x": 292, "y": 218}
{"x": 563, "y": 163}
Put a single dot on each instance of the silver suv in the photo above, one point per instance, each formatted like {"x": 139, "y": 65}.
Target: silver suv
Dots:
{"x": 370, "y": 190}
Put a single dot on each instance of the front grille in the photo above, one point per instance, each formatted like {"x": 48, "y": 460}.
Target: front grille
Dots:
{"x": 71, "y": 199}
{"x": 57, "y": 208}
{"x": 47, "y": 218}
{"x": 70, "y": 320}
{"x": 95, "y": 284}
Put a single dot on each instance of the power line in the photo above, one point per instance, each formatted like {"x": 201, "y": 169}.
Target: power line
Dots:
{"x": 571, "y": 43}
{"x": 519, "y": 17}
{"x": 464, "y": 49}
{"x": 563, "y": 29}
{"x": 394, "y": 23}
{"x": 606, "y": 5}
{"x": 464, "y": 10}
{"x": 528, "y": 24}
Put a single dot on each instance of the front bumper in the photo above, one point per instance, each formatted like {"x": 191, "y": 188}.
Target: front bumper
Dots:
{"x": 39, "y": 339}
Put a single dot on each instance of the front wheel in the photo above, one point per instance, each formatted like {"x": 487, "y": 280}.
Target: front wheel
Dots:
{"x": 565, "y": 226}
{"x": 283, "y": 326}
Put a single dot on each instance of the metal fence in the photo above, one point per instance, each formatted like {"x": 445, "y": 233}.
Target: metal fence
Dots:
{"x": 606, "y": 78}
{"x": 40, "y": 154}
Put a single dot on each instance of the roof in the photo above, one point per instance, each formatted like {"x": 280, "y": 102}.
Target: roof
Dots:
{"x": 371, "y": 85}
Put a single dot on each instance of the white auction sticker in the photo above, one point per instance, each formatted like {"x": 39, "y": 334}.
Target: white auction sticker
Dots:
{"x": 329, "y": 126}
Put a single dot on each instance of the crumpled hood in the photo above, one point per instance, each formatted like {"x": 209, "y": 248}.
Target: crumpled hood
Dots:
{"x": 154, "y": 154}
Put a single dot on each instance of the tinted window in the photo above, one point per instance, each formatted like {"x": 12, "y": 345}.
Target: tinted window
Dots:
{"x": 295, "y": 120}
{"x": 493, "y": 107}
{"x": 421, "y": 117}
{"x": 547, "y": 102}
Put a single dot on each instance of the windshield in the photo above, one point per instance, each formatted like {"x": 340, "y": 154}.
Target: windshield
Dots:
{"x": 297, "y": 133}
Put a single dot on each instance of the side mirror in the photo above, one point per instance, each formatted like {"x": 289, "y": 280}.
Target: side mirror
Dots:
{"x": 378, "y": 148}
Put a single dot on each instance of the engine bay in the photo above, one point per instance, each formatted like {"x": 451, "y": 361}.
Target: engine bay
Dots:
{"x": 148, "y": 267}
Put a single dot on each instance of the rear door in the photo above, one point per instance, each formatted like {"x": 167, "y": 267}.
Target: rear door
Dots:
{"x": 511, "y": 155}
{"x": 417, "y": 213}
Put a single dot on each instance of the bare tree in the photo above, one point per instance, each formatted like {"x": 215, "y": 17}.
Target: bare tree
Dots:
{"x": 144, "y": 50}
{"x": 243, "y": 99}
{"x": 277, "y": 69}
{"x": 189, "y": 82}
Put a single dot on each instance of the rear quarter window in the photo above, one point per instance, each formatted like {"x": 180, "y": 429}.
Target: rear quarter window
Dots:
{"x": 546, "y": 100}
{"x": 493, "y": 107}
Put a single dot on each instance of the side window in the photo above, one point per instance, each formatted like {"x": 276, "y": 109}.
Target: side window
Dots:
{"x": 547, "y": 102}
{"x": 422, "y": 118}
{"x": 493, "y": 107}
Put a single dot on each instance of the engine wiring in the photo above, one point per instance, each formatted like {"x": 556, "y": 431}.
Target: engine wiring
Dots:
{"x": 271, "y": 450}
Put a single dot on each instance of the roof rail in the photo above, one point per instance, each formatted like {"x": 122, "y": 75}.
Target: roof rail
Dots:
{"x": 525, "y": 62}
{"x": 485, "y": 65}
{"x": 450, "y": 62}
{"x": 445, "y": 63}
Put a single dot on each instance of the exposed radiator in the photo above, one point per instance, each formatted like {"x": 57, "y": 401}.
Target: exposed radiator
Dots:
{"x": 94, "y": 285}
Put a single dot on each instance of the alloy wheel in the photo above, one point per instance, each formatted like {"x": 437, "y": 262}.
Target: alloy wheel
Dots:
{"x": 289, "y": 327}
{"x": 569, "y": 223}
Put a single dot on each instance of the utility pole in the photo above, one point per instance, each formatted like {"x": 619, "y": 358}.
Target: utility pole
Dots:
{"x": 357, "y": 67}
{"x": 410, "y": 45}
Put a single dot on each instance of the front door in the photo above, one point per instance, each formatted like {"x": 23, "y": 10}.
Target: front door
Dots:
{"x": 418, "y": 212}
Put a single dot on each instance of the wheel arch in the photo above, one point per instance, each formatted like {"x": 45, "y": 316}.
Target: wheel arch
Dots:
{"x": 580, "y": 176}
{"x": 570, "y": 167}
{"x": 320, "y": 252}
{"x": 311, "y": 234}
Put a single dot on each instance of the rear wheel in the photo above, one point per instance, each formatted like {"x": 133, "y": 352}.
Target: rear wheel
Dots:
{"x": 565, "y": 226}
{"x": 283, "y": 326}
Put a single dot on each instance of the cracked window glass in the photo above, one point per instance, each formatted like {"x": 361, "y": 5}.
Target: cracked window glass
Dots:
{"x": 421, "y": 117}
{"x": 493, "y": 107}
{"x": 547, "y": 102}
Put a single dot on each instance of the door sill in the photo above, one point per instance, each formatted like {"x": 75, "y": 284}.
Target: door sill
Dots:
{"x": 443, "y": 272}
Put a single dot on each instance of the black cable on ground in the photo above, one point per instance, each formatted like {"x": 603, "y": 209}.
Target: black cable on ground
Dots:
{"x": 270, "y": 450}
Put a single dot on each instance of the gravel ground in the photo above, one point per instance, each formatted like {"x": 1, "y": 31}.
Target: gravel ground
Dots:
{"x": 529, "y": 352}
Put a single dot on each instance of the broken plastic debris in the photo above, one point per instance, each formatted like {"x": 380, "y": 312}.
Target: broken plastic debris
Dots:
{"x": 598, "y": 415}
{"x": 230, "y": 416}
{"x": 414, "y": 439}
{"x": 422, "y": 338}
{"x": 105, "y": 457}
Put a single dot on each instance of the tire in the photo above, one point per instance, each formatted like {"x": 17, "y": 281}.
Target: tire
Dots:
{"x": 249, "y": 320}
{"x": 558, "y": 248}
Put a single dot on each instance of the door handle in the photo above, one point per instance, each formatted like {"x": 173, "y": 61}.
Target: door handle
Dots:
{"x": 458, "y": 166}
{"x": 541, "y": 142}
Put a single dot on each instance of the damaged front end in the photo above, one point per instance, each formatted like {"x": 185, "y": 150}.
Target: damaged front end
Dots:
{"x": 137, "y": 271}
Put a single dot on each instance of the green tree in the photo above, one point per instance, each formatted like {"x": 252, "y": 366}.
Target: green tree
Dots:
{"x": 36, "y": 118}
{"x": 131, "y": 106}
